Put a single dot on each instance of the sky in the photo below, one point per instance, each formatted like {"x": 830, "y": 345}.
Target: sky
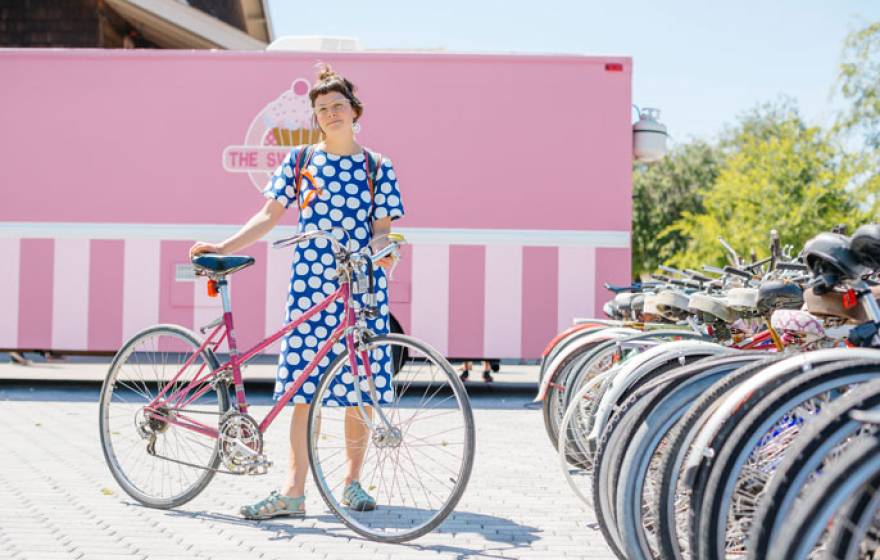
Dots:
{"x": 702, "y": 63}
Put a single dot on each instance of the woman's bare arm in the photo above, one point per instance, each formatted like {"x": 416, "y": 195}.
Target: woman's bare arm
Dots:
{"x": 259, "y": 225}
{"x": 382, "y": 227}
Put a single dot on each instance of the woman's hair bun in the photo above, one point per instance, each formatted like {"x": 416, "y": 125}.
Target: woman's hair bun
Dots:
{"x": 326, "y": 73}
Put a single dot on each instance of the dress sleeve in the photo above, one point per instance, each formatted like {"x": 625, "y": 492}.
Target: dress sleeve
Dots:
{"x": 388, "y": 202}
{"x": 280, "y": 185}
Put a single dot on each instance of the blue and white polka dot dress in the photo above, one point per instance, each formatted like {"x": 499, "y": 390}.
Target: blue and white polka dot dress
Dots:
{"x": 339, "y": 198}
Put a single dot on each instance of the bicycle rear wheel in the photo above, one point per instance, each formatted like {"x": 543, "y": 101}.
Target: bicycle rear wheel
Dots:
{"x": 417, "y": 470}
{"x": 156, "y": 462}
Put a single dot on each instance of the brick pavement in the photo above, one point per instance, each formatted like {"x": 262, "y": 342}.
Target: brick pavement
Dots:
{"x": 59, "y": 501}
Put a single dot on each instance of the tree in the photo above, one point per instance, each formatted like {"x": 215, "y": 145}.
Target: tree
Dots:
{"x": 777, "y": 173}
{"x": 664, "y": 190}
{"x": 859, "y": 83}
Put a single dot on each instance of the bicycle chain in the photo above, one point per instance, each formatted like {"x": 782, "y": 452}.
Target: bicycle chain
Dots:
{"x": 151, "y": 450}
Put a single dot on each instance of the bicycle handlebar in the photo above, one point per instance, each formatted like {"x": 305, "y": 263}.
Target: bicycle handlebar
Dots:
{"x": 395, "y": 240}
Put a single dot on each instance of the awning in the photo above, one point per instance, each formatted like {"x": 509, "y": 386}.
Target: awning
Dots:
{"x": 173, "y": 25}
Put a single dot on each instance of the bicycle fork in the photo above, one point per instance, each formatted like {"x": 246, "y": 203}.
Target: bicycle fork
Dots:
{"x": 384, "y": 434}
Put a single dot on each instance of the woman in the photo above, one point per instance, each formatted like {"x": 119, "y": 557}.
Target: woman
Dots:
{"x": 334, "y": 196}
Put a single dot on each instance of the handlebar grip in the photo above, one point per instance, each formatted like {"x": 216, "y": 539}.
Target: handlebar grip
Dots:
{"x": 738, "y": 272}
{"x": 799, "y": 267}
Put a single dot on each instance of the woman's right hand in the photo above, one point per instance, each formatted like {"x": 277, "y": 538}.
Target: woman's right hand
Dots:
{"x": 203, "y": 247}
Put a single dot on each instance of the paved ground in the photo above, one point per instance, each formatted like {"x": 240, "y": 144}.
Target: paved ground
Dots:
{"x": 91, "y": 368}
{"x": 58, "y": 499}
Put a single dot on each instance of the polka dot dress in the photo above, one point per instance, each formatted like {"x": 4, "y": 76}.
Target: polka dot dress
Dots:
{"x": 339, "y": 198}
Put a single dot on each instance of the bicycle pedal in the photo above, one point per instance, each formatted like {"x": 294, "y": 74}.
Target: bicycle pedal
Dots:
{"x": 258, "y": 465}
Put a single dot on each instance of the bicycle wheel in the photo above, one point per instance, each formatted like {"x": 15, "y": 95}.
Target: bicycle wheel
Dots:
{"x": 561, "y": 369}
{"x": 418, "y": 469}
{"x": 856, "y": 531}
{"x": 746, "y": 456}
{"x": 639, "y": 483}
{"x": 158, "y": 463}
{"x": 819, "y": 444}
{"x": 616, "y": 436}
{"x": 673, "y": 500}
{"x": 808, "y": 530}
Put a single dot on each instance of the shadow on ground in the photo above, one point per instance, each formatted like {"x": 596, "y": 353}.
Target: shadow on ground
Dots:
{"x": 506, "y": 535}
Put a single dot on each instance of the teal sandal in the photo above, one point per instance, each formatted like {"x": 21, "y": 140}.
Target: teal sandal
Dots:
{"x": 276, "y": 505}
{"x": 357, "y": 498}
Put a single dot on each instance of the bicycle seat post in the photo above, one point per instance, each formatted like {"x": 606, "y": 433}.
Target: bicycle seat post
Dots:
{"x": 223, "y": 290}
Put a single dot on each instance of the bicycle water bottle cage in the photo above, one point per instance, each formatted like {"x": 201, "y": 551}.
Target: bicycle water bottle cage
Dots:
{"x": 209, "y": 264}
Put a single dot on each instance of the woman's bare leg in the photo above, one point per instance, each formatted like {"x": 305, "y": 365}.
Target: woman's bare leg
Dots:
{"x": 357, "y": 436}
{"x": 298, "y": 464}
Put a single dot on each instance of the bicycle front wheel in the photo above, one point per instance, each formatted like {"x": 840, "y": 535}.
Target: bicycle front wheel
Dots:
{"x": 156, "y": 461}
{"x": 417, "y": 465}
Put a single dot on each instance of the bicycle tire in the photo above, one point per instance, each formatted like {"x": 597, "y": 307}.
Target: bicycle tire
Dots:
{"x": 754, "y": 419}
{"x": 184, "y": 341}
{"x": 679, "y": 391}
{"x": 388, "y": 522}
{"x": 615, "y": 437}
{"x": 674, "y": 456}
{"x": 829, "y": 431}
{"x": 554, "y": 399}
{"x": 846, "y": 476}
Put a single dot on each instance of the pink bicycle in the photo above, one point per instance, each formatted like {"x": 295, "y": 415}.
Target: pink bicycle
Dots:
{"x": 168, "y": 423}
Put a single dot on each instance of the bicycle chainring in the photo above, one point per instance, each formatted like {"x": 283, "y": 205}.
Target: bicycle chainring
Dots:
{"x": 241, "y": 442}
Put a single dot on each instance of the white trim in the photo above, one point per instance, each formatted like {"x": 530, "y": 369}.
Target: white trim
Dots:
{"x": 447, "y": 236}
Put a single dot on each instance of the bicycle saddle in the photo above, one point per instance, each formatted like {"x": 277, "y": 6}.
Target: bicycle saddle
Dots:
{"x": 743, "y": 300}
{"x": 776, "y": 294}
{"x": 672, "y": 304}
{"x": 798, "y": 322}
{"x": 610, "y": 309}
{"x": 623, "y": 301}
{"x": 711, "y": 308}
{"x": 650, "y": 305}
{"x": 638, "y": 305}
{"x": 865, "y": 245}
{"x": 220, "y": 265}
{"x": 831, "y": 253}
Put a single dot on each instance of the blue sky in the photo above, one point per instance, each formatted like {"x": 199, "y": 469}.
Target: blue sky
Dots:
{"x": 700, "y": 62}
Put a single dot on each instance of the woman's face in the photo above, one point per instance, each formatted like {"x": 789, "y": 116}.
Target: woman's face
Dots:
{"x": 334, "y": 113}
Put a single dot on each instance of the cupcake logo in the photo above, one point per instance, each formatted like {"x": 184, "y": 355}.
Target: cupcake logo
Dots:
{"x": 283, "y": 123}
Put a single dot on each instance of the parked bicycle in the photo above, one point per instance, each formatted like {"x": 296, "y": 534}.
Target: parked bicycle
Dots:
{"x": 168, "y": 423}
{"x": 758, "y": 441}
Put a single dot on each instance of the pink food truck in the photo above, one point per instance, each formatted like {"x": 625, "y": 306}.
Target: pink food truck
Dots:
{"x": 514, "y": 170}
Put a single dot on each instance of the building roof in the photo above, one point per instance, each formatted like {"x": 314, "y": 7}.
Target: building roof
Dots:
{"x": 175, "y": 25}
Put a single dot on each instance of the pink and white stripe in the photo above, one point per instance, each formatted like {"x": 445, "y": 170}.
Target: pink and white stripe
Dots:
{"x": 499, "y": 300}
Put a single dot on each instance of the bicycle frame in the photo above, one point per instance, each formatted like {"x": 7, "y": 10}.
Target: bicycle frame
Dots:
{"x": 199, "y": 385}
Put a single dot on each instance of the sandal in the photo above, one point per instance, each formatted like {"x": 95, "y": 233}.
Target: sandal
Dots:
{"x": 357, "y": 498}
{"x": 276, "y": 505}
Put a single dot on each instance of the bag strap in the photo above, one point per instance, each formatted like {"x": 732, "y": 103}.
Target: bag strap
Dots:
{"x": 373, "y": 162}
{"x": 303, "y": 158}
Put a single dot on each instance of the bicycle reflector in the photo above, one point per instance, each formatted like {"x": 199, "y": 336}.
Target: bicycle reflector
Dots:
{"x": 850, "y": 299}
{"x": 212, "y": 288}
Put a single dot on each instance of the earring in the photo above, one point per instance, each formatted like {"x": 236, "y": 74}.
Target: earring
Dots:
{"x": 356, "y": 127}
